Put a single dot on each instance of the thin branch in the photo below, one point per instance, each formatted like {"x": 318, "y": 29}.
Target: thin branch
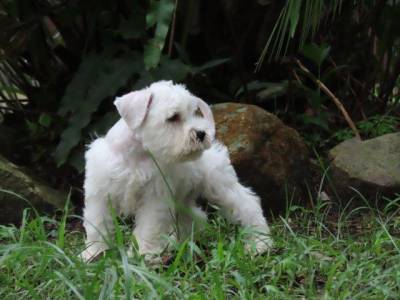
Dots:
{"x": 328, "y": 92}
{"x": 172, "y": 34}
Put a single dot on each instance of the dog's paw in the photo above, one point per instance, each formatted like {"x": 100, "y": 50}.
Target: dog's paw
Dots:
{"x": 91, "y": 253}
{"x": 87, "y": 255}
{"x": 259, "y": 244}
{"x": 150, "y": 258}
{"x": 153, "y": 259}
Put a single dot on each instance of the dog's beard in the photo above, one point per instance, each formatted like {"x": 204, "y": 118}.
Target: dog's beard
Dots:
{"x": 193, "y": 148}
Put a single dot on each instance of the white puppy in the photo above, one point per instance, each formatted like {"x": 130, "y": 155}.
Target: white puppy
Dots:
{"x": 157, "y": 159}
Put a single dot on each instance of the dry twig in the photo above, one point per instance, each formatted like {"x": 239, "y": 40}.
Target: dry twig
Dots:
{"x": 328, "y": 92}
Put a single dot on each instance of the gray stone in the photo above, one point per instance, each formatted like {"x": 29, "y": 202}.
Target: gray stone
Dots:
{"x": 371, "y": 167}
{"x": 269, "y": 156}
{"x": 19, "y": 191}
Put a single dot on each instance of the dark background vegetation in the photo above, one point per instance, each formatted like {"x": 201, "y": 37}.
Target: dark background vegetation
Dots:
{"x": 62, "y": 62}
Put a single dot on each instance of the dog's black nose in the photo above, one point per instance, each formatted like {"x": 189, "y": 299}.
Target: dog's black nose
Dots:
{"x": 200, "y": 135}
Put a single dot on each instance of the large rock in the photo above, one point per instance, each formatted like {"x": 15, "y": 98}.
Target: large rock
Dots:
{"x": 19, "y": 191}
{"x": 371, "y": 167}
{"x": 267, "y": 155}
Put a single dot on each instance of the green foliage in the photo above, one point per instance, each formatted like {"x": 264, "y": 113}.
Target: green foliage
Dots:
{"x": 73, "y": 68}
{"x": 299, "y": 21}
{"x": 316, "y": 54}
{"x": 306, "y": 13}
{"x": 98, "y": 77}
{"x": 40, "y": 129}
{"x": 67, "y": 60}
{"x": 316, "y": 114}
{"x": 160, "y": 14}
{"x": 372, "y": 127}
{"x": 337, "y": 253}
{"x": 265, "y": 90}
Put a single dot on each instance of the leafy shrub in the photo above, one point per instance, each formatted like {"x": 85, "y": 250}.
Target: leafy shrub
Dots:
{"x": 71, "y": 58}
{"x": 372, "y": 127}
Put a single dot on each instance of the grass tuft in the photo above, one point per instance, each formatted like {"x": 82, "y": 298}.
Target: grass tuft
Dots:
{"x": 319, "y": 253}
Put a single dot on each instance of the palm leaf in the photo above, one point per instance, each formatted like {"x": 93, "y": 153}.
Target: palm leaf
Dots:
{"x": 160, "y": 14}
{"x": 307, "y": 13}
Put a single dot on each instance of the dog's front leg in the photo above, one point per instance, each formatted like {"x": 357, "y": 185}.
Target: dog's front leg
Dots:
{"x": 98, "y": 226}
{"x": 237, "y": 202}
{"x": 240, "y": 205}
{"x": 154, "y": 221}
{"x": 191, "y": 219}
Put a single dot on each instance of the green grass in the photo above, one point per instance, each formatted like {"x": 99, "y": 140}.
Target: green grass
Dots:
{"x": 319, "y": 253}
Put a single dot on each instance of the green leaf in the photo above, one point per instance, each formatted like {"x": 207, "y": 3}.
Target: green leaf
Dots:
{"x": 333, "y": 71}
{"x": 294, "y": 17}
{"x": 32, "y": 127}
{"x": 317, "y": 54}
{"x": 209, "y": 65}
{"x": 134, "y": 26}
{"x": 252, "y": 86}
{"x": 145, "y": 79}
{"x": 101, "y": 126}
{"x": 45, "y": 120}
{"x": 319, "y": 120}
{"x": 76, "y": 91}
{"x": 182, "y": 53}
{"x": 99, "y": 77}
{"x": 308, "y": 14}
{"x": 160, "y": 14}
{"x": 152, "y": 54}
{"x": 267, "y": 90}
{"x": 77, "y": 160}
{"x": 169, "y": 69}
{"x": 273, "y": 90}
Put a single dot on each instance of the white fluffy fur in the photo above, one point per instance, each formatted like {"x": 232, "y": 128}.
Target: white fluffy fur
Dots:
{"x": 120, "y": 172}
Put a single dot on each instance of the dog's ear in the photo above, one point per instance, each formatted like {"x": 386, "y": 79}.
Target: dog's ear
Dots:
{"x": 206, "y": 112}
{"x": 133, "y": 107}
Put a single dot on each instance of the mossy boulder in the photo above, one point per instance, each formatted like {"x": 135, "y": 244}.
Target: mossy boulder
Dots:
{"x": 19, "y": 191}
{"x": 370, "y": 167}
{"x": 269, "y": 156}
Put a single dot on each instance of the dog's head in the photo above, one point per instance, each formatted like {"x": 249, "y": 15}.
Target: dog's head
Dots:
{"x": 169, "y": 121}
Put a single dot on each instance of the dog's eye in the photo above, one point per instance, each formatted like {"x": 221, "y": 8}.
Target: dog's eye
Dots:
{"x": 174, "y": 118}
{"x": 198, "y": 113}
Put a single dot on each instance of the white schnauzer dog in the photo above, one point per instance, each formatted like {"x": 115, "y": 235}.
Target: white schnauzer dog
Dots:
{"x": 159, "y": 157}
